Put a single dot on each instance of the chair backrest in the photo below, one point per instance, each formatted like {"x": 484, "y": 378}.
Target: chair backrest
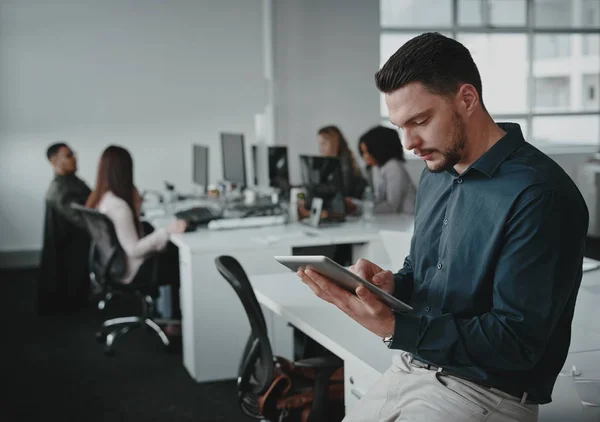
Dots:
{"x": 255, "y": 373}
{"x": 107, "y": 259}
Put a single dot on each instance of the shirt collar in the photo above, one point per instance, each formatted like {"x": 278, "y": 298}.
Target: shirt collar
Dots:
{"x": 489, "y": 162}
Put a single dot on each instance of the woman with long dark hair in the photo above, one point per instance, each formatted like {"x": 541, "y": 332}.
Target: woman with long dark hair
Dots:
{"x": 332, "y": 143}
{"x": 381, "y": 149}
{"x": 116, "y": 196}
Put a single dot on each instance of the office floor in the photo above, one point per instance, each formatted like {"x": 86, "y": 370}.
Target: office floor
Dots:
{"x": 52, "y": 368}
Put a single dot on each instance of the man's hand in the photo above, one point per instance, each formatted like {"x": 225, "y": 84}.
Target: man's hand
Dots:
{"x": 375, "y": 274}
{"x": 364, "y": 307}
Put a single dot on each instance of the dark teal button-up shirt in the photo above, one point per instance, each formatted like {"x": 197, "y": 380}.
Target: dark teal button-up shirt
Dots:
{"x": 494, "y": 269}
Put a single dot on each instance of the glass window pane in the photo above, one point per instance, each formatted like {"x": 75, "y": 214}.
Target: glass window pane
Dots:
{"x": 559, "y": 68}
{"x": 552, "y": 93}
{"x": 572, "y": 130}
{"x": 551, "y": 46}
{"x": 499, "y": 13}
{"x": 590, "y": 14}
{"x": 470, "y": 13}
{"x": 416, "y": 13}
{"x": 502, "y": 63}
{"x": 567, "y": 13}
{"x": 591, "y": 92}
{"x": 590, "y": 45}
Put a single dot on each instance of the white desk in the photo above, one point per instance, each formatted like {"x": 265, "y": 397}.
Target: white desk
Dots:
{"x": 365, "y": 357}
{"x": 214, "y": 324}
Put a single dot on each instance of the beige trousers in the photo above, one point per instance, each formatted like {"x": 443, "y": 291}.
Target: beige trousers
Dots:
{"x": 407, "y": 393}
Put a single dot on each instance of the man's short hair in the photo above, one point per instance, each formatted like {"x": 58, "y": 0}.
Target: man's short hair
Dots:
{"x": 440, "y": 63}
{"x": 54, "y": 148}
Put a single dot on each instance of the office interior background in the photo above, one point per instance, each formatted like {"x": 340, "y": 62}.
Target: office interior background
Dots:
{"x": 158, "y": 77}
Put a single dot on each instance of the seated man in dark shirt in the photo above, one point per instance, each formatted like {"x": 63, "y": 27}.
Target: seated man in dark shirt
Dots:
{"x": 66, "y": 186}
{"x": 64, "y": 278}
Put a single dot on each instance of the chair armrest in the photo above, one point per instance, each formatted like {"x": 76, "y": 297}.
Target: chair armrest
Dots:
{"x": 324, "y": 362}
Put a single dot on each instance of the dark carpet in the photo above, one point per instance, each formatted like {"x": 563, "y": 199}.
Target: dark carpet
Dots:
{"x": 52, "y": 368}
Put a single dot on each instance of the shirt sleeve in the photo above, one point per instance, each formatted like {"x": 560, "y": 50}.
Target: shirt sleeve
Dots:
{"x": 62, "y": 201}
{"x": 538, "y": 269}
{"x": 134, "y": 247}
{"x": 404, "y": 281}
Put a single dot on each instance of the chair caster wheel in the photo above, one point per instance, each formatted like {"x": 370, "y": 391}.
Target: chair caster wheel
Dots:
{"x": 109, "y": 351}
{"x": 100, "y": 337}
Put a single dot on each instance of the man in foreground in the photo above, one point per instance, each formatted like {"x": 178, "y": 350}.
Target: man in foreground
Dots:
{"x": 495, "y": 262}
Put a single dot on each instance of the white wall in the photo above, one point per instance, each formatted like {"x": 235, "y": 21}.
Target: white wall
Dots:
{"x": 326, "y": 53}
{"x": 151, "y": 75}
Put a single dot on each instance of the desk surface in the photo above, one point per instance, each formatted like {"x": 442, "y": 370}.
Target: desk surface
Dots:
{"x": 296, "y": 234}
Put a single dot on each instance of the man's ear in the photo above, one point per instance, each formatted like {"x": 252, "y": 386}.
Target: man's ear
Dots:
{"x": 468, "y": 98}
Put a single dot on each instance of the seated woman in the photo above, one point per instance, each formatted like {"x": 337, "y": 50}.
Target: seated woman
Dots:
{"x": 333, "y": 144}
{"x": 393, "y": 189}
{"x": 116, "y": 196}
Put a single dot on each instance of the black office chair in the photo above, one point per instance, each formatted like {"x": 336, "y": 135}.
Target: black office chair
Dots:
{"x": 269, "y": 386}
{"x": 107, "y": 263}
{"x": 63, "y": 284}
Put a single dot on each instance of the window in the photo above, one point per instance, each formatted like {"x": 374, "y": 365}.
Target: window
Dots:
{"x": 552, "y": 93}
{"x": 500, "y": 57}
{"x": 416, "y": 13}
{"x": 553, "y": 13}
{"x": 541, "y": 70}
{"x": 590, "y": 92}
{"x": 498, "y": 13}
{"x": 591, "y": 45}
{"x": 551, "y": 46}
{"x": 561, "y": 130}
{"x": 590, "y": 14}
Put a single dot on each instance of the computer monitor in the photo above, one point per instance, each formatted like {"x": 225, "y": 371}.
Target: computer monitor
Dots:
{"x": 279, "y": 176}
{"x": 234, "y": 159}
{"x": 322, "y": 178}
{"x": 200, "y": 165}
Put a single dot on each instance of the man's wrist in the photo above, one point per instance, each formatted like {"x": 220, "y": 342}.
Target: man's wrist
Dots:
{"x": 389, "y": 327}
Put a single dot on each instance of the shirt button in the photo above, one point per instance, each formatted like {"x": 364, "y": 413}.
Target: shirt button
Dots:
{"x": 445, "y": 222}
{"x": 439, "y": 266}
{"x": 459, "y": 180}
{"x": 427, "y": 309}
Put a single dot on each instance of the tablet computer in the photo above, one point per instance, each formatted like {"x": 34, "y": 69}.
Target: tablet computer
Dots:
{"x": 341, "y": 276}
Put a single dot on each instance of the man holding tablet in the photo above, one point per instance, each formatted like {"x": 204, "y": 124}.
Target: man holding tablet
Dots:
{"x": 495, "y": 262}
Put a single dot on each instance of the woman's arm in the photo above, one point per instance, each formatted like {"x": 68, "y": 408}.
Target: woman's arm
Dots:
{"x": 128, "y": 237}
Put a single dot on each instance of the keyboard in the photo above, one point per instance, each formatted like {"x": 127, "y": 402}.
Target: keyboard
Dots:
{"x": 239, "y": 223}
{"x": 197, "y": 216}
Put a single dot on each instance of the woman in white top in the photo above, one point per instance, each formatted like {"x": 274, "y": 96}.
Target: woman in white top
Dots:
{"x": 382, "y": 151}
{"x": 116, "y": 196}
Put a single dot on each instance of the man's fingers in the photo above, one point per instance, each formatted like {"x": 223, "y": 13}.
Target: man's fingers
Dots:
{"x": 326, "y": 285}
{"x": 314, "y": 286}
{"x": 382, "y": 277}
{"x": 372, "y": 302}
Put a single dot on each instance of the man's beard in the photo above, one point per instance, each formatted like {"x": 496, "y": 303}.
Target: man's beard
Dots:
{"x": 454, "y": 152}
